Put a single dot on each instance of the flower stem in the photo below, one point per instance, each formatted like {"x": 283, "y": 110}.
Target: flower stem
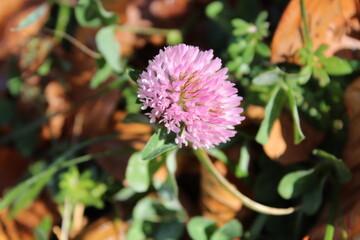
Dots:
{"x": 306, "y": 33}
{"x": 65, "y": 225}
{"x": 62, "y": 21}
{"x": 75, "y": 42}
{"x": 333, "y": 212}
{"x": 144, "y": 30}
{"x": 258, "y": 207}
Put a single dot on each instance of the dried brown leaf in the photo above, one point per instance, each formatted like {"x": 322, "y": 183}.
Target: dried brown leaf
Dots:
{"x": 217, "y": 203}
{"x": 104, "y": 228}
{"x": 281, "y": 147}
{"x": 23, "y": 225}
{"x": 10, "y": 16}
{"x": 12, "y": 167}
{"x": 331, "y": 22}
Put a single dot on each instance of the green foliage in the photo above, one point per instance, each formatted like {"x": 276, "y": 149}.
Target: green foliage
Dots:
{"x": 321, "y": 66}
{"x": 218, "y": 154}
{"x": 214, "y": 9}
{"x": 109, "y": 47}
{"x": 43, "y": 230}
{"x": 90, "y": 13}
{"x": 159, "y": 143}
{"x": 81, "y": 188}
{"x": 130, "y": 94}
{"x": 229, "y": 231}
{"x": 168, "y": 189}
{"x": 137, "y": 173}
{"x": 102, "y": 74}
{"x": 293, "y": 184}
{"x": 272, "y": 111}
{"x": 242, "y": 168}
{"x": 174, "y": 37}
{"x": 310, "y": 183}
{"x": 200, "y": 228}
{"x": 246, "y": 44}
{"x": 32, "y": 17}
{"x": 151, "y": 219}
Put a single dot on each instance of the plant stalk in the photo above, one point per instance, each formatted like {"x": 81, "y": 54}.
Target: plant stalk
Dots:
{"x": 249, "y": 203}
{"x": 306, "y": 32}
{"x": 65, "y": 224}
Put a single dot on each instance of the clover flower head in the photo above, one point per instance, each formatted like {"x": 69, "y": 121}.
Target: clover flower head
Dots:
{"x": 188, "y": 92}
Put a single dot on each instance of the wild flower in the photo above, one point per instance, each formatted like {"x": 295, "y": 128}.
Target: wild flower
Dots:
{"x": 188, "y": 92}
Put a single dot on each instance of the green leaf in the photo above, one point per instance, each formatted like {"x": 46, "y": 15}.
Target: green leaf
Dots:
{"x": 136, "y": 231}
{"x": 261, "y": 18}
{"x": 242, "y": 169}
{"x": 298, "y": 134}
{"x": 81, "y": 188}
{"x": 159, "y": 143}
{"x": 295, "y": 183}
{"x": 169, "y": 230}
{"x": 214, "y": 9}
{"x": 322, "y": 76}
{"x": 7, "y": 111}
{"x": 336, "y": 66}
{"x": 32, "y": 17}
{"x": 133, "y": 74}
{"x": 45, "y": 68}
{"x": 241, "y": 26}
{"x": 171, "y": 161}
{"x": 90, "y": 13}
{"x": 263, "y": 49}
{"x": 304, "y": 75}
{"x": 130, "y": 94}
{"x": 14, "y": 85}
{"x": 43, "y": 230}
{"x": 249, "y": 54}
{"x": 146, "y": 209}
{"x": 200, "y": 228}
{"x": 313, "y": 198}
{"x": 343, "y": 174}
{"x": 218, "y": 154}
{"x": 137, "y": 173}
{"x": 174, "y": 37}
{"x": 109, "y": 47}
{"x": 125, "y": 194}
{"x": 28, "y": 195}
{"x": 267, "y": 78}
{"x": 168, "y": 189}
{"x": 103, "y": 72}
{"x": 319, "y": 52}
{"x": 272, "y": 111}
{"x": 229, "y": 231}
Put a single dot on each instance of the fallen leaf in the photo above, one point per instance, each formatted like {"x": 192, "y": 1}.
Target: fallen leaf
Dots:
{"x": 57, "y": 101}
{"x": 351, "y": 153}
{"x": 331, "y": 22}
{"x": 11, "y": 15}
{"x": 276, "y": 146}
{"x": 104, "y": 228}
{"x": 23, "y": 225}
{"x": 281, "y": 147}
{"x": 217, "y": 203}
{"x": 12, "y": 166}
{"x": 135, "y": 134}
{"x": 131, "y": 135}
